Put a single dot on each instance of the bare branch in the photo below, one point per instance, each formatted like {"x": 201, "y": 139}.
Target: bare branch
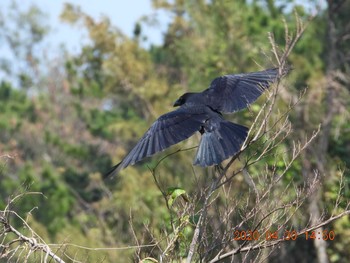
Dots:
{"x": 34, "y": 243}
{"x": 277, "y": 242}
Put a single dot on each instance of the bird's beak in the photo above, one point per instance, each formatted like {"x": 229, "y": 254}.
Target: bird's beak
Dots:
{"x": 177, "y": 103}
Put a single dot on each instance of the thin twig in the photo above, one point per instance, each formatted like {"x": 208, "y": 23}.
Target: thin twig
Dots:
{"x": 278, "y": 241}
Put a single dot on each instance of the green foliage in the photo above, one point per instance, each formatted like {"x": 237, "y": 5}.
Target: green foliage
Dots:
{"x": 66, "y": 126}
{"x": 173, "y": 193}
{"x": 15, "y": 107}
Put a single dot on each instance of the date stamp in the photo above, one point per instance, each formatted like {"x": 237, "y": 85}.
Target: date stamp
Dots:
{"x": 249, "y": 235}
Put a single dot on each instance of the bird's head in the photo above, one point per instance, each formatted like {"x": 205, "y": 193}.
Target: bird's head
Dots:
{"x": 183, "y": 99}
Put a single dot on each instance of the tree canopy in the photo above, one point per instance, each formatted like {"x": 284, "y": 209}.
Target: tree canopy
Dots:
{"x": 67, "y": 119}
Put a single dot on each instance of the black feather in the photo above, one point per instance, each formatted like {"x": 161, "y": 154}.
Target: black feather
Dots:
{"x": 203, "y": 112}
{"x": 220, "y": 143}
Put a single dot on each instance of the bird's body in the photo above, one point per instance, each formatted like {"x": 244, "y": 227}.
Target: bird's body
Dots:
{"x": 202, "y": 112}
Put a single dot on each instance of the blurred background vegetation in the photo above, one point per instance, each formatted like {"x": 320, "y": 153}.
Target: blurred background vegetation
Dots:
{"x": 65, "y": 119}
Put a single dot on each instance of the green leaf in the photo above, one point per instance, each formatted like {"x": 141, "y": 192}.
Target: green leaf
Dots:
{"x": 173, "y": 193}
{"x": 255, "y": 107}
{"x": 149, "y": 260}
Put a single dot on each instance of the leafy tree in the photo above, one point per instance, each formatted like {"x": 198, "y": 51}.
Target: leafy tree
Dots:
{"x": 64, "y": 124}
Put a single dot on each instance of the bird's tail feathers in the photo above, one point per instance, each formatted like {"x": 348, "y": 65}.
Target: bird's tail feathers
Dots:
{"x": 220, "y": 144}
{"x": 113, "y": 171}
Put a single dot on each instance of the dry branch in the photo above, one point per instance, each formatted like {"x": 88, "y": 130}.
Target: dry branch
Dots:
{"x": 11, "y": 247}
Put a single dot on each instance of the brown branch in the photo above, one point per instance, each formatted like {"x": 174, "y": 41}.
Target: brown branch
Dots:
{"x": 33, "y": 243}
{"x": 203, "y": 214}
{"x": 264, "y": 245}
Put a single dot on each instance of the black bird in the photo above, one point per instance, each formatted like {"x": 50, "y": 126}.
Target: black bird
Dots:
{"x": 202, "y": 112}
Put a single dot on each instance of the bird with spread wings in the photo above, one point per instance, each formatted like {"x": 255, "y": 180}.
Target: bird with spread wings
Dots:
{"x": 202, "y": 112}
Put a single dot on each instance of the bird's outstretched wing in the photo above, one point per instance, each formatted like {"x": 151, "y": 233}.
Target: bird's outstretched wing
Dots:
{"x": 169, "y": 129}
{"x": 231, "y": 93}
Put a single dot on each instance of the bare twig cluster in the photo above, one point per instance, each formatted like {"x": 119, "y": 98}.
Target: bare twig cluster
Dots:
{"x": 252, "y": 224}
{"x": 18, "y": 247}
{"x": 217, "y": 223}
